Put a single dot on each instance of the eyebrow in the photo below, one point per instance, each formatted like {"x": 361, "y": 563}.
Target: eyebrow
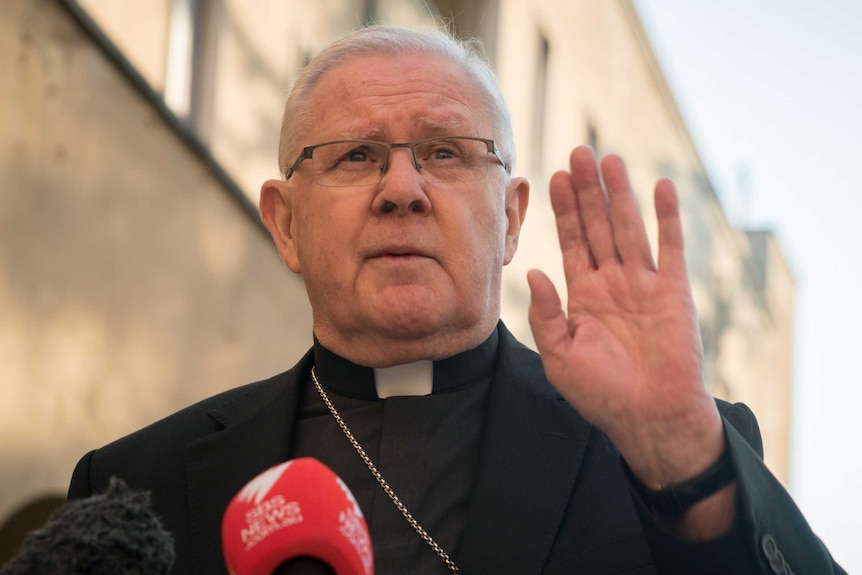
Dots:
{"x": 443, "y": 125}
{"x": 429, "y": 127}
{"x": 375, "y": 133}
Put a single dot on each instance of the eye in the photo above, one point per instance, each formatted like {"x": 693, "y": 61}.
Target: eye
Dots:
{"x": 444, "y": 154}
{"x": 443, "y": 150}
{"x": 356, "y": 155}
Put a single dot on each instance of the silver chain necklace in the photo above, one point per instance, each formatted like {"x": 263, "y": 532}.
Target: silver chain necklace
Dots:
{"x": 379, "y": 477}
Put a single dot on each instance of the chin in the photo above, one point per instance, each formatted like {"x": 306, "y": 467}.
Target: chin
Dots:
{"x": 411, "y": 326}
{"x": 427, "y": 324}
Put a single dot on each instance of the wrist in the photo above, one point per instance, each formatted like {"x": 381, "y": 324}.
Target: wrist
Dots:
{"x": 674, "y": 500}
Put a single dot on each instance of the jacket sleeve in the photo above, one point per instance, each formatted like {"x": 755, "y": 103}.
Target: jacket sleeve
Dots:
{"x": 769, "y": 535}
{"x": 79, "y": 486}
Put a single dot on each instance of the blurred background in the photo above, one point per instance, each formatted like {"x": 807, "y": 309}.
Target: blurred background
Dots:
{"x": 135, "y": 277}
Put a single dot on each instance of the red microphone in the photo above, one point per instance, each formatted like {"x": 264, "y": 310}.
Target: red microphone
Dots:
{"x": 293, "y": 511}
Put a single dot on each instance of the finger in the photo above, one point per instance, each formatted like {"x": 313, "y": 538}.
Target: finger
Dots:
{"x": 593, "y": 205}
{"x": 570, "y": 229}
{"x": 626, "y": 221}
{"x": 671, "y": 250}
{"x": 547, "y": 319}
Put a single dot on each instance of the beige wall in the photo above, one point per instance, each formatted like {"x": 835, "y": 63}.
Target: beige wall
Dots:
{"x": 140, "y": 30}
{"x": 131, "y": 281}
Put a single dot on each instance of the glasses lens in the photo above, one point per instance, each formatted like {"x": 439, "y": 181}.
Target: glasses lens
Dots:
{"x": 350, "y": 163}
{"x": 452, "y": 160}
{"x": 359, "y": 163}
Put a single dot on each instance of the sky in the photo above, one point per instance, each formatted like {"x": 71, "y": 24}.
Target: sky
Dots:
{"x": 772, "y": 93}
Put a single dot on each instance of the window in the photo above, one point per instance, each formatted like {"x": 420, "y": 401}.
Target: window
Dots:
{"x": 540, "y": 98}
{"x": 190, "y": 73}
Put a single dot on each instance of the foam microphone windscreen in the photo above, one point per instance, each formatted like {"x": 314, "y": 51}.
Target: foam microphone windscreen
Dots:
{"x": 105, "y": 534}
{"x": 297, "y": 509}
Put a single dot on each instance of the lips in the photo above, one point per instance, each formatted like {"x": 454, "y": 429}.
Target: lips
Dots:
{"x": 398, "y": 251}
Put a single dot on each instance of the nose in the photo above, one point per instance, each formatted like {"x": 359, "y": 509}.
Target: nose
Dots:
{"x": 400, "y": 190}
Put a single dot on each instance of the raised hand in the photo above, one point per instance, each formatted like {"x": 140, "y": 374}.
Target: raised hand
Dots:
{"x": 626, "y": 353}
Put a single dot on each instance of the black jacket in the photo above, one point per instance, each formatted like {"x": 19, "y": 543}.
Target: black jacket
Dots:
{"x": 550, "y": 496}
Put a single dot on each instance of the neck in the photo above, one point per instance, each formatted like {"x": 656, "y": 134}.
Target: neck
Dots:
{"x": 388, "y": 350}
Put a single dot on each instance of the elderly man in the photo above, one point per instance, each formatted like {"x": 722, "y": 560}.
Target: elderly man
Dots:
{"x": 399, "y": 209}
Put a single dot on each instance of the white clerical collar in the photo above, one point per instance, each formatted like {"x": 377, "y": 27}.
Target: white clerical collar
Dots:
{"x": 415, "y": 378}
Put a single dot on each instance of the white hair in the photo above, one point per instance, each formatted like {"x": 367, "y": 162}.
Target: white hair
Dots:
{"x": 468, "y": 54}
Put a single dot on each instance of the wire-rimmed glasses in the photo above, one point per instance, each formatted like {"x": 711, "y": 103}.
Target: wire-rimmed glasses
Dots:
{"x": 444, "y": 160}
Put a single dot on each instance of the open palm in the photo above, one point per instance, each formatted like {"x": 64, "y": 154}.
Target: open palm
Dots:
{"x": 626, "y": 352}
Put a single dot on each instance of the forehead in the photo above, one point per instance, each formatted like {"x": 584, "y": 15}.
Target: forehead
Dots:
{"x": 396, "y": 97}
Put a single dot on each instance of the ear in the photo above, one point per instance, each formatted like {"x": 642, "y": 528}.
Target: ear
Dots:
{"x": 517, "y": 198}
{"x": 276, "y": 211}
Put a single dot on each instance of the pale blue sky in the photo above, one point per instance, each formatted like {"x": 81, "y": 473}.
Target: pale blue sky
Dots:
{"x": 771, "y": 91}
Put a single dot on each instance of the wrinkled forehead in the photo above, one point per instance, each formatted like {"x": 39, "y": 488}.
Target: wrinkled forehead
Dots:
{"x": 399, "y": 125}
{"x": 386, "y": 97}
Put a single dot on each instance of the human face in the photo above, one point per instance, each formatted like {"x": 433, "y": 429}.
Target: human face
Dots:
{"x": 402, "y": 270}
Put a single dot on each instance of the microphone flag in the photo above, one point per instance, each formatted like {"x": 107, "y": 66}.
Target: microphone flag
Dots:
{"x": 299, "y": 508}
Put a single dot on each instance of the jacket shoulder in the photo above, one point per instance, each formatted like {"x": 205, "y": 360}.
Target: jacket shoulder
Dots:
{"x": 148, "y": 451}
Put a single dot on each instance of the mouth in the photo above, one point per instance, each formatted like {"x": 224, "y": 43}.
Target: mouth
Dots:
{"x": 399, "y": 252}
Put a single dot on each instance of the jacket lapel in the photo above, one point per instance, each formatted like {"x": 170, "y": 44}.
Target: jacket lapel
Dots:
{"x": 531, "y": 452}
{"x": 257, "y": 426}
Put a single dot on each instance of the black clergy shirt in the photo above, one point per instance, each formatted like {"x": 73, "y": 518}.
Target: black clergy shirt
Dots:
{"x": 426, "y": 447}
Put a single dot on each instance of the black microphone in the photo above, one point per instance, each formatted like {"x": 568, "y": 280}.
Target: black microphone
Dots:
{"x": 105, "y": 534}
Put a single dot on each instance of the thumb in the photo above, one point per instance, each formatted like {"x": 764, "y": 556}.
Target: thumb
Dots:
{"x": 547, "y": 320}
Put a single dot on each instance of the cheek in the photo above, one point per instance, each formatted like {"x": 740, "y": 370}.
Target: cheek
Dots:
{"x": 488, "y": 226}
{"x": 484, "y": 243}
{"x": 325, "y": 233}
